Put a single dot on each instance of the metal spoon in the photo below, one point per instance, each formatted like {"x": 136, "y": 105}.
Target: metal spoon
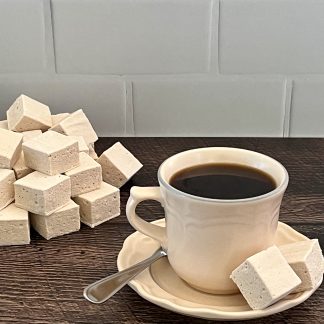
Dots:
{"x": 103, "y": 289}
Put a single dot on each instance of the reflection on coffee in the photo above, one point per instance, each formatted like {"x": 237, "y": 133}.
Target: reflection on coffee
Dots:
{"x": 223, "y": 181}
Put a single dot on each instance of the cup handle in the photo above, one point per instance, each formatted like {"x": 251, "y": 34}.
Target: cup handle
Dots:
{"x": 137, "y": 195}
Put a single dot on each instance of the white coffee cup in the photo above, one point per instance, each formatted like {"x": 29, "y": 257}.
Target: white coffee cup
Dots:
{"x": 208, "y": 238}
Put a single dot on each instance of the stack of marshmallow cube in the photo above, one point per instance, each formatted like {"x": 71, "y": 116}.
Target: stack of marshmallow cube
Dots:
{"x": 50, "y": 175}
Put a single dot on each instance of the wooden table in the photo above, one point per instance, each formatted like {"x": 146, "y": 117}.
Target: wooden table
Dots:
{"x": 43, "y": 282}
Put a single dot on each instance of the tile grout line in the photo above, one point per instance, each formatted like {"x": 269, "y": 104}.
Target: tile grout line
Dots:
{"x": 49, "y": 37}
{"x": 287, "y": 107}
{"x": 129, "y": 105}
{"x": 212, "y": 41}
{"x": 218, "y": 37}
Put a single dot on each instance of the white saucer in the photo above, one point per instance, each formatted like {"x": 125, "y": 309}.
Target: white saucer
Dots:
{"x": 161, "y": 286}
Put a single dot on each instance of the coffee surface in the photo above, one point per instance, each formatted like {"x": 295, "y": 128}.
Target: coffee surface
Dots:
{"x": 223, "y": 181}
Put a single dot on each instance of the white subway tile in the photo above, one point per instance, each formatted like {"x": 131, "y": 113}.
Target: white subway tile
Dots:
{"x": 277, "y": 36}
{"x": 307, "y": 111}
{"x": 216, "y": 107}
{"x": 102, "y": 99}
{"x": 22, "y": 42}
{"x": 131, "y": 36}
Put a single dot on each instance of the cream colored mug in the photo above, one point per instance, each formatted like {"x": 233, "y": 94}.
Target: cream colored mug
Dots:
{"x": 208, "y": 238}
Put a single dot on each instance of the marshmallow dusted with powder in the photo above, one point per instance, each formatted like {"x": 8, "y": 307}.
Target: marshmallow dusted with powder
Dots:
{"x": 58, "y": 118}
{"x": 28, "y": 114}
{"x": 3, "y": 124}
{"x": 42, "y": 194}
{"x": 28, "y": 135}
{"x": 92, "y": 152}
{"x": 40, "y": 148}
{"x": 83, "y": 147}
{"x": 86, "y": 177}
{"x": 77, "y": 124}
{"x": 20, "y": 167}
{"x": 64, "y": 221}
{"x": 306, "y": 259}
{"x": 7, "y": 194}
{"x": 118, "y": 165}
{"x": 51, "y": 153}
{"x": 10, "y": 148}
{"x": 14, "y": 226}
{"x": 265, "y": 278}
{"x": 99, "y": 205}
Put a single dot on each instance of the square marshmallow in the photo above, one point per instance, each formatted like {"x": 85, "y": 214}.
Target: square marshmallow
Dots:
{"x": 265, "y": 278}
{"x": 64, "y": 221}
{"x": 83, "y": 147}
{"x": 7, "y": 193}
{"x": 77, "y": 124}
{"x": 306, "y": 259}
{"x": 20, "y": 168}
{"x": 92, "y": 152}
{"x": 28, "y": 135}
{"x": 99, "y": 205}
{"x": 86, "y": 177}
{"x": 42, "y": 194}
{"x": 3, "y": 124}
{"x": 118, "y": 165}
{"x": 58, "y": 118}
{"x": 14, "y": 226}
{"x": 10, "y": 148}
{"x": 28, "y": 114}
{"x": 51, "y": 153}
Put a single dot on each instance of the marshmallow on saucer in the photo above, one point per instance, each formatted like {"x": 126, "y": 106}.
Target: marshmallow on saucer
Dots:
{"x": 265, "y": 278}
{"x": 306, "y": 259}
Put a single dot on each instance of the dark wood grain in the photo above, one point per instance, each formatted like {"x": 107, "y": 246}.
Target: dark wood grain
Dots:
{"x": 43, "y": 282}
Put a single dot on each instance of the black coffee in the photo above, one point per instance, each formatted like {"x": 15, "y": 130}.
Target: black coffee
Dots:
{"x": 223, "y": 181}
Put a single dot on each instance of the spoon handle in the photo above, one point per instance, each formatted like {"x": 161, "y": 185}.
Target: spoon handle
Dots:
{"x": 103, "y": 289}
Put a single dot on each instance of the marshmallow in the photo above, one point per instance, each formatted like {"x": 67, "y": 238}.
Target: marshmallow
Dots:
{"x": 3, "y": 124}
{"x": 86, "y": 177}
{"x": 7, "y": 194}
{"x": 14, "y": 226}
{"x": 306, "y": 259}
{"x": 64, "y": 221}
{"x": 10, "y": 148}
{"x": 28, "y": 135}
{"x": 77, "y": 124}
{"x": 83, "y": 147}
{"x": 118, "y": 165}
{"x": 28, "y": 114}
{"x": 20, "y": 167}
{"x": 99, "y": 205}
{"x": 92, "y": 152}
{"x": 42, "y": 194}
{"x": 265, "y": 278}
{"x": 58, "y": 118}
{"x": 51, "y": 153}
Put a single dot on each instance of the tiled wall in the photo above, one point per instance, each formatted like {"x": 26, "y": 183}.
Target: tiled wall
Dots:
{"x": 170, "y": 67}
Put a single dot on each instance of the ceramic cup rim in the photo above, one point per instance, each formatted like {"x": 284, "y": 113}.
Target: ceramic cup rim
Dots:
{"x": 280, "y": 189}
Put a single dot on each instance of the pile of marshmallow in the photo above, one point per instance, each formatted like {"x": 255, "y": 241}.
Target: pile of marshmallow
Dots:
{"x": 50, "y": 175}
{"x": 272, "y": 274}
